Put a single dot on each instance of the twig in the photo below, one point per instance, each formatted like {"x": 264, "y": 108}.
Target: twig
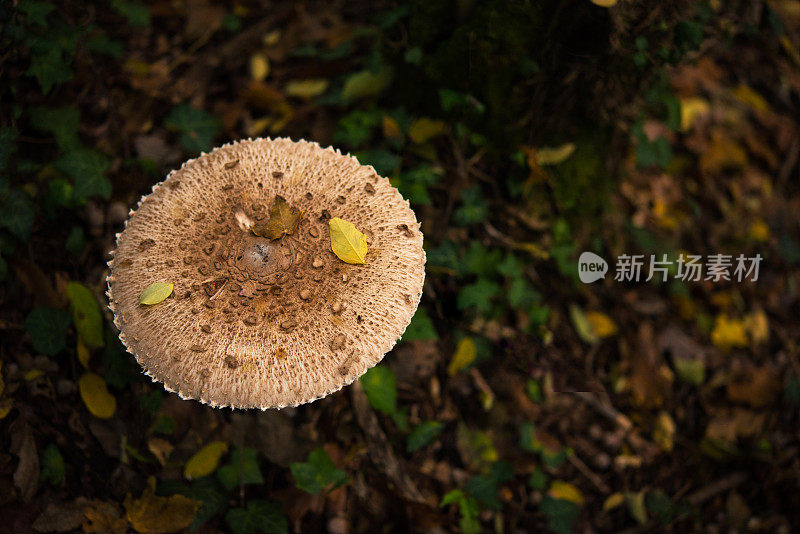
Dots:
{"x": 715, "y": 488}
{"x": 380, "y": 452}
{"x": 593, "y": 477}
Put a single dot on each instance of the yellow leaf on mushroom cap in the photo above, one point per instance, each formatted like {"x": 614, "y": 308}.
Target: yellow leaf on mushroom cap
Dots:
{"x": 347, "y": 242}
{"x": 96, "y": 397}
{"x": 155, "y": 293}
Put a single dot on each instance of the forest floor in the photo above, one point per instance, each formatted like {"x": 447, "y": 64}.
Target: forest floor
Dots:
{"x": 521, "y": 398}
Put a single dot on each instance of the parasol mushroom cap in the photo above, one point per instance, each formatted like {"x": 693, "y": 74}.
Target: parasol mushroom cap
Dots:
{"x": 258, "y": 322}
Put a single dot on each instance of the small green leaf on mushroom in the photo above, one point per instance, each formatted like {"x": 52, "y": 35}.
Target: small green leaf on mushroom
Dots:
{"x": 283, "y": 220}
{"x": 155, "y": 293}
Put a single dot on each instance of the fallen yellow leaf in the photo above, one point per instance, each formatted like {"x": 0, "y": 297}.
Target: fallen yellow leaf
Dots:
{"x": 347, "y": 242}
{"x": 306, "y": 88}
{"x": 554, "y": 155}
{"x": 155, "y": 293}
{"x": 582, "y": 325}
{"x": 259, "y": 67}
{"x": 749, "y": 96}
{"x": 613, "y": 501}
{"x": 391, "y": 129}
{"x": 759, "y": 231}
{"x": 205, "y": 461}
{"x": 423, "y": 129}
{"x": 465, "y": 354}
{"x": 757, "y": 326}
{"x": 272, "y": 38}
{"x": 691, "y": 109}
{"x": 151, "y": 514}
{"x": 33, "y": 374}
{"x": 728, "y": 333}
{"x": 664, "y": 431}
{"x": 724, "y": 153}
{"x": 566, "y": 492}
{"x": 83, "y": 353}
{"x": 601, "y": 323}
{"x": 5, "y": 407}
{"x": 96, "y": 397}
{"x": 604, "y": 3}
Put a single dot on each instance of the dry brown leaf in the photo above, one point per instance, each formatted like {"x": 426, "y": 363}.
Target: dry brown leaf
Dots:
{"x": 283, "y": 220}
{"x": 103, "y": 517}
{"x": 160, "y": 448}
{"x": 26, "y": 476}
{"x": 756, "y": 386}
{"x": 61, "y": 516}
{"x": 151, "y": 514}
{"x": 729, "y": 425}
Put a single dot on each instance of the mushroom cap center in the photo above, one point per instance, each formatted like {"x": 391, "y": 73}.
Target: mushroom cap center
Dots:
{"x": 260, "y": 256}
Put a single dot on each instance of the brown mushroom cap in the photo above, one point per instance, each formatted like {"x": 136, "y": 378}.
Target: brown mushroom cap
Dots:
{"x": 254, "y": 322}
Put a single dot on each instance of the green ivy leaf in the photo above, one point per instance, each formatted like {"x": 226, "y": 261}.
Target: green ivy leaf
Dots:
{"x": 242, "y": 469}
{"x": 151, "y": 402}
{"x": 474, "y": 208}
{"x": 485, "y": 488}
{"x": 356, "y": 128}
{"x": 467, "y": 507}
{"x": 138, "y": 14}
{"x": 52, "y": 466}
{"x": 87, "y": 168}
{"x": 85, "y": 314}
{"x": 36, "y": 12}
{"x": 415, "y": 182}
{"x": 420, "y": 328}
{"x": 478, "y": 296}
{"x": 561, "y": 515}
{"x": 318, "y": 473}
{"x": 423, "y": 435}
{"x": 61, "y": 122}
{"x": 76, "y": 241}
{"x": 537, "y": 480}
{"x": 381, "y": 159}
{"x": 259, "y": 516}
{"x": 444, "y": 255}
{"x": 366, "y": 84}
{"x": 101, "y": 44}
{"x": 116, "y": 361}
{"x": 481, "y": 261}
{"x": 8, "y": 145}
{"x": 17, "y": 211}
{"x": 380, "y": 386}
{"x": 50, "y": 67}
{"x": 197, "y": 127}
{"x": 47, "y": 327}
{"x": 164, "y": 424}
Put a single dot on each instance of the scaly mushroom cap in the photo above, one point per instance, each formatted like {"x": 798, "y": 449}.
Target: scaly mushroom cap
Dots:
{"x": 254, "y": 322}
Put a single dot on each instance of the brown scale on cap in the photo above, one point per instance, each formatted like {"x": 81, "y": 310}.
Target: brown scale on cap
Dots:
{"x": 265, "y": 323}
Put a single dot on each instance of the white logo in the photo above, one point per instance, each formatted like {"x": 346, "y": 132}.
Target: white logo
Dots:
{"x": 591, "y": 267}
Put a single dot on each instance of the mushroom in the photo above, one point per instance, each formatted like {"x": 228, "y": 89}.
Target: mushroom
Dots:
{"x": 261, "y": 322}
